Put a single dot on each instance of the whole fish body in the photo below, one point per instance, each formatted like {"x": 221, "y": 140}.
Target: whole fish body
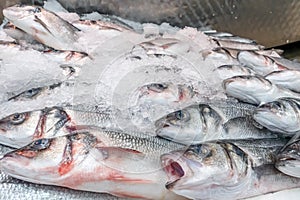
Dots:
{"x": 211, "y": 121}
{"x": 226, "y": 169}
{"x": 95, "y": 160}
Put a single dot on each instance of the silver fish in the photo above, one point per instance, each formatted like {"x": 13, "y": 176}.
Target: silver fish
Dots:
{"x": 200, "y": 123}
{"x": 33, "y": 93}
{"x": 288, "y": 159}
{"x": 289, "y": 79}
{"x": 20, "y": 129}
{"x": 16, "y": 33}
{"x": 12, "y": 188}
{"x": 255, "y": 89}
{"x": 119, "y": 164}
{"x": 165, "y": 93}
{"x": 280, "y": 116}
{"x": 259, "y": 63}
{"x": 226, "y": 169}
{"x": 45, "y": 26}
{"x": 228, "y": 71}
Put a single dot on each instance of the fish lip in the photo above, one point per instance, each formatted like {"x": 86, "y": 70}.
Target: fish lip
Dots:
{"x": 161, "y": 123}
{"x": 286, "y": 158}
{"x": 174, "y": 171}
{"x": 226, "y": 82}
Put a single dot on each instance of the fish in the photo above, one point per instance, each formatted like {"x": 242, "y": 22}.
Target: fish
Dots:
{"x": 44, "y": 26}
{"x": 20, "y": 129}
{"x": 34, "y": 92}
{"x": 261, "y": 64}
{"x": 226, "y": 169}
{"x": 228, "y": 71}
{"x": 207, "y": 122}
{"x": 289, "y": 79}
{"x": 255, "y": 89}
{"x": 118, "y": 165}
{"x": 23, "y": 39}
{"x": 288, "y": 158}
{"x": 19, "y": 189}
{"x": 281, "y": 116}
{"x": 165, "y": 93}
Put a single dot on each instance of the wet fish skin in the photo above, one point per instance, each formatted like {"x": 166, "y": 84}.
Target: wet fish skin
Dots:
{"x": 228, "y": 71}
{"x": 19, "y": 189}
{"x": 289, "y": 79}
{"x": 34, "y": 92}
{"x": 225, "y": 169}
{"x": 255, "y": 89}
{"x": 72, "y": 161}
{"x": 288, "y": 159}
{"x": 165, "y": 93}
{"x": 206, "y": 122}
{"x": 45, "y": 26}
{"x": 280, "y": 116}
{"x": 259, "y": 63}
{"x": 20, "y": 129}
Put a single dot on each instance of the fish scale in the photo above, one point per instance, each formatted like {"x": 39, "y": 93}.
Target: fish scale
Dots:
{"x": 233, "y": 169}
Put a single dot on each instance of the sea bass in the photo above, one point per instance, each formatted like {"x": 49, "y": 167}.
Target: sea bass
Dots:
{"x": 206, "y": 122}
{"x": 166, "y": 93}
{"x": 226, "y": 169}
{"x": 45, "y": 26}
{"x": 120, "y": 165}
{"x": 282, "y": 115}
{"x": 20, "y": 129}
{"x": 255, "y": 89}
{"x": 289, "y": 79}
{"x": 288, "y": 159}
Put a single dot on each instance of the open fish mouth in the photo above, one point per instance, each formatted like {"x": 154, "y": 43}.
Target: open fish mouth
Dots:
{"x": 171, "y": 165}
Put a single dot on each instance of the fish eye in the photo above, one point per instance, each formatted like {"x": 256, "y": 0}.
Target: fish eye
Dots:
{"x": 181, "y": 115}
{"x": 157, "y": 87}
{"x": 202, "y": 150}
{"x": 40, "y": 144}
{"x": 32, "y": 92}
{"x": 37, "y": 10}
{"x": 18, "y": 118}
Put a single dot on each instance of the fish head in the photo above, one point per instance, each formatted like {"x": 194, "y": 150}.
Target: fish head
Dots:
{"x": 46, "y": 160}
{"x": 190, "y": 125}
{"x": 165, "y": 93}
{"x": 21, "y": 11}
{"x": 29, "y": 19}
{"x": 19, "y": 129}
{"x": 182, "y": 125}
{"x": 195, "y": 170}
{"x": 247, "y": 88}
{"x": 44, "y": 26}
{"x": 288, "y": 160}
{"x": 280, "y": 116}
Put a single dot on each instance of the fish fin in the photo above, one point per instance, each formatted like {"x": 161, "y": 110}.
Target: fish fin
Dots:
{"x": 37, "y": 19}
{"x": 127, "y": 153}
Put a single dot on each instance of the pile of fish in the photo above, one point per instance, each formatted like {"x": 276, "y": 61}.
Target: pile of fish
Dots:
{"x": 100, "y": 104}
